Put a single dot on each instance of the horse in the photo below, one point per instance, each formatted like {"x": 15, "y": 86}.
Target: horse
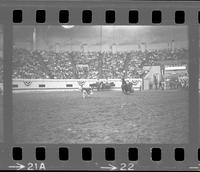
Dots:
{"x": 126, "y": 87}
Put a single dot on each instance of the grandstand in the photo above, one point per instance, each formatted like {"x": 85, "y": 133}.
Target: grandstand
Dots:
{"x": 70, "y": 65}
{"x": 53, "y": 65}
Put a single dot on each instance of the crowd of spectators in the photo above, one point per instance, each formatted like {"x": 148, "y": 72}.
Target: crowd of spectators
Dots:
{"x": 76, "y": 64}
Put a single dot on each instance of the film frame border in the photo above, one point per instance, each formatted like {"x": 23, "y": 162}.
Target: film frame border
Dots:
{"x": 98, "y": 10}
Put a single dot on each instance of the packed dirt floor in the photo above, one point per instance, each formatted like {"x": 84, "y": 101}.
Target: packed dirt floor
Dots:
{"x": 105, "y": 117}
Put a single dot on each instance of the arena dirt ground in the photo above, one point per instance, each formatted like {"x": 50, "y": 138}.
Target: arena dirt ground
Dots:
{"x": 105, "y": 117}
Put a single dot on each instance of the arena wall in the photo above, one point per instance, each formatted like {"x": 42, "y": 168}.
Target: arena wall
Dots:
{"x": 67, "y": 84}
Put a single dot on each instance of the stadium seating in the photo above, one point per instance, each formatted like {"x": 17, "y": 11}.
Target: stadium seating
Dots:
{"x": 64, "y": 65}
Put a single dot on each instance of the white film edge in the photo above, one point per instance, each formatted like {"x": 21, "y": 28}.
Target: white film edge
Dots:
{"x": 99, "y": 85}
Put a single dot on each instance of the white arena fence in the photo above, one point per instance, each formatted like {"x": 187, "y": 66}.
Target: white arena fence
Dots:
{"x": 68, "y": 84}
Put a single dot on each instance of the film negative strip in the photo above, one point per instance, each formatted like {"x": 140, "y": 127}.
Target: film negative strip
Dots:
{"x": 99, "y": 85}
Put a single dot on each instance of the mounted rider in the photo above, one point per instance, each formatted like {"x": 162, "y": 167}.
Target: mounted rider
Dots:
{"x": 126, "y": 86}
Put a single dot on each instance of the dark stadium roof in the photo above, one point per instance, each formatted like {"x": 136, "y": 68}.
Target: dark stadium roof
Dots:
{"x": 120, "y": 35}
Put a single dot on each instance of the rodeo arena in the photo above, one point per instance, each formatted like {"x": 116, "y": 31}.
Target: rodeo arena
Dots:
{"x": 100, "y": 96}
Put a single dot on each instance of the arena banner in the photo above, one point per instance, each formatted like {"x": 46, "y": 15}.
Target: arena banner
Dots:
{"x": 137, "y": 82}
{"x": 27, "y": 83}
